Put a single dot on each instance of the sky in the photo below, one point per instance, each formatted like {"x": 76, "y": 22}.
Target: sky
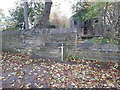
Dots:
{"x": 64, "y": 6}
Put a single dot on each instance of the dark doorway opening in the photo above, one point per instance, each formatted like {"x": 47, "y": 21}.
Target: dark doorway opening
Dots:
{"x": 85, "y": 31}
{"x": 75, "y": 23}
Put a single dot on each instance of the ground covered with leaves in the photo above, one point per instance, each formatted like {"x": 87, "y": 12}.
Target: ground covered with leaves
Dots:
{"x": 21, "y": 71}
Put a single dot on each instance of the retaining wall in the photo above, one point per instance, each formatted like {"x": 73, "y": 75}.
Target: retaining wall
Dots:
{"x": 48, "y": 45}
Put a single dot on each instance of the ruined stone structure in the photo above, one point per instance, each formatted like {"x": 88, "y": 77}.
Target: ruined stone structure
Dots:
{"x": 85, "y": 28}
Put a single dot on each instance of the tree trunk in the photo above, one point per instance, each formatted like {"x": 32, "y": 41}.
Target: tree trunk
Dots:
{"x": 26, "y": 15}
{"x": 44, "y": 22}
{"x": 116, "y": 16}
{"x": 105, "y": 25}
{"x": 115, "y": 20}
{"x": 90, "y": 27}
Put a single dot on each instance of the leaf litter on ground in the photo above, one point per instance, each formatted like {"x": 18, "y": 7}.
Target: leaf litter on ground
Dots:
{"x": 19, "y": 70}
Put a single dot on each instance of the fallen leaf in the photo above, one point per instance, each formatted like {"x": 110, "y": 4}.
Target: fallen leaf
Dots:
{"x": 103, "y": 77}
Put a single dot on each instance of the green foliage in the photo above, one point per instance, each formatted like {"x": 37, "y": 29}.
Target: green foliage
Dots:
{"x": 1, "y": 14}
{"x": 12, "y": 28}
{"x": 73, "y": 58}
{"x": 106, "y": 39}
{"x": 95, "y": 10}
{"x": 105, "y": 12}
{"x": 35, "y": 10}
{"x": 4, "y": 21}
{"x": 86, "y": 11}
{"x": 80, "y": 11}
{"x": 1, "y": 19}
{"x": 18, "y": 16}
{"x": 10, "y": 50}
{"x": 79, "y": 59}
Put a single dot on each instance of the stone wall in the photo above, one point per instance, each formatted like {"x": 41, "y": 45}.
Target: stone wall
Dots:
{"x": 48, "y": 46}
{"x": 40, "y": 44}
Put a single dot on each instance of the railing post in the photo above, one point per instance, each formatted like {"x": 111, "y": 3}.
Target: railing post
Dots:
{"x": 76, "y": 42}
{"x": 62, "y": 52}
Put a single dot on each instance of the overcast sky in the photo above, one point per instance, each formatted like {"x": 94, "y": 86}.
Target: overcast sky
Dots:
{"x": 65, "y": 6}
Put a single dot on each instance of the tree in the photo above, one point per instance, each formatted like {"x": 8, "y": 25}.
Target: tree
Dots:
{"x": 26, "y": 15}
{"x": 55, "y": 18}
{"x": 80, "y": 10}
{"x": 1, "y": 19}
{"x": 35, "y": 11}
{"x": 103, "y": 11}
{"x": 59, "y": 20}
{"x": 5, "y": 21}
{"x": 44, "y": 22}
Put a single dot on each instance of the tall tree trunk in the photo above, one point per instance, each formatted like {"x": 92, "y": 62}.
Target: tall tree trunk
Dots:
{"x": 26, "y": 15}
{"x": 119, "y": 24}
{"x": 90, "y": 27}
{"x": 104, "y": 16}
{"x": 115, "y": 20}
{"x": 116, "y": 15}
{"x": 44, "y": 22}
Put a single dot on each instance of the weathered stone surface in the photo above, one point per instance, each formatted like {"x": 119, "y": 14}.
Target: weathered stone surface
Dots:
{"x": 48, "y": 45}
